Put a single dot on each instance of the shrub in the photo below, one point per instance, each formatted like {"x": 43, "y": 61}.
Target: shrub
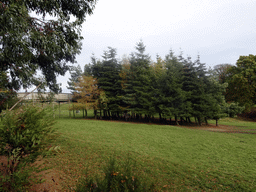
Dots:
{"x": 115, "y": 179}
{"x": 25, "y": 134}
{"x": 234, "y": 109}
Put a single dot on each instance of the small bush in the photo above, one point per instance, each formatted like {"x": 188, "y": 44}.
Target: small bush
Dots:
{"x": 234, "y": 109}
{"x": 25, "y": 134}
{"x": 116, "y": 179}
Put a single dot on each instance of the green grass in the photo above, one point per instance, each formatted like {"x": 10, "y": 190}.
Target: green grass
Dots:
{"x": 241, "y": 124}
{"x": 175, "y": 158}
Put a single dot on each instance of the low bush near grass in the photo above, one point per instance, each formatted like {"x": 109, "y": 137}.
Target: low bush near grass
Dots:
{"x": 25, "y": 134}
{"x": 116, "y": 178}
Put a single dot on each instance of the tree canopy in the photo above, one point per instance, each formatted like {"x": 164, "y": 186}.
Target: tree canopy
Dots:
{"x": 29, "y": 42}
{"x": 242, "y": 81}
{"x": 174, "y": 87}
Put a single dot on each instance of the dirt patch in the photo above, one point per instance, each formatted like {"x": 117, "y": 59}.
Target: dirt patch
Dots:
{"x": 51, "y": 178}
{"x": 222, "y": 128}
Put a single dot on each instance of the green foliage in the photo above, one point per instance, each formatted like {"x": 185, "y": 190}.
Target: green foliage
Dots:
{"x": 221, "y": 72}
{"x": 26, "y": 133}
{"x": 117, "y": 177}
{"x": 30, "y": 43}
{"x": 233, "y": 109}
{"x": 18, "y": 181}
{"x": 75, "y": 73}
{"x": 107, "y": 73}
{"x": 137, "y": 92}
{"x": 8, "y": 97}
{"x": 242, "y": 82}
{"x": 175, "y": 87}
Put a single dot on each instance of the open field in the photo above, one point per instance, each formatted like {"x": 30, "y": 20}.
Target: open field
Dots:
{"x": 174, "y": 158}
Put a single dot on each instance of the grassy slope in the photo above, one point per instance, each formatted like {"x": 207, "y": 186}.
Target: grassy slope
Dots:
{"x": 241, "y": 124}
{"x": 174, "y": 157}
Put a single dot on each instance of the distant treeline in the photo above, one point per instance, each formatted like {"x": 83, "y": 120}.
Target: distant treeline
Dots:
{"x": 138, "y": 88}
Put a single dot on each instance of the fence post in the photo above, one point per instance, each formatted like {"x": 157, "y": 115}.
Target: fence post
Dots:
{"x": 69, "y": 109}
{"x": 59, "y": 109}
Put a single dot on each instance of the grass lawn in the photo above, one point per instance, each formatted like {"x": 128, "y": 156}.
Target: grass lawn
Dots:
{"x": 174, "y": 158}
{"x": 241, "y": 124}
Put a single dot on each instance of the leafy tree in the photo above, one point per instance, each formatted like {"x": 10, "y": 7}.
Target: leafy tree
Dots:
{"x": 242, "y": 82}
{"x": 222, "y": 72}
{"x": 7, "y": 95}
{"x": 89, "y": 94}
{"x": 29, "y": 44}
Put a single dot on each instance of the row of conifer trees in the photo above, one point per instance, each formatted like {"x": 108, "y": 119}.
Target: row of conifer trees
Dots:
{"x": 175, "y": 87}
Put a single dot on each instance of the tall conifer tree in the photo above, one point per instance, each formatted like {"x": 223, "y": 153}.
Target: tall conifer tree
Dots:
{"x": 138, "y": 88}
{"x": 110, "y": 81}
{"x": 75, "y": 73}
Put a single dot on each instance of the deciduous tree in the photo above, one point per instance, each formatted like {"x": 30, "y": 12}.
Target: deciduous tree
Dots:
{"x": 242, "y": 82}
{"x": 29, "y": 42}
{"x": 89, "y": 94}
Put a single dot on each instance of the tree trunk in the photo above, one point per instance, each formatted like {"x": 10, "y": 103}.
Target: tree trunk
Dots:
{"x": 109, "y": 114}
{"x": 205, "y": 119}
{"x": 181, "y": 120}
{"x": 196, "y": 121}
{"x": 199, "y": 121}
{"x": 217, "y": 123}
{"x": 95, "y": 114}
{"x": 73, "y": 111}
{"x": 176, "y": 120}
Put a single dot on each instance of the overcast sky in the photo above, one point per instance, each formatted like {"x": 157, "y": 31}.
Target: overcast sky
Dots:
{"x": 218, "y": 30}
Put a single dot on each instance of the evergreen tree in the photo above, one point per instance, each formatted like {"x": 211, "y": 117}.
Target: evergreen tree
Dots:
{"x": 203, "y": 94}
{"x": 216, "y": 99}
{"x": 88, "y": 69}
{"x": 189, "y": 86}
{"x": 158, "y": 73}
{"x": 138, "y": 92}
{"x": 167, "y": 85}
{"x": 75, "y": 73}
{"x": 109, "y": 80}
{"x": 172, "y": 86}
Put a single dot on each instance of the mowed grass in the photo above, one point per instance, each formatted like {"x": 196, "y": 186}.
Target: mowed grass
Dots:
{"x": 237, "y": 122}
{"x": 174, "y": 158}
